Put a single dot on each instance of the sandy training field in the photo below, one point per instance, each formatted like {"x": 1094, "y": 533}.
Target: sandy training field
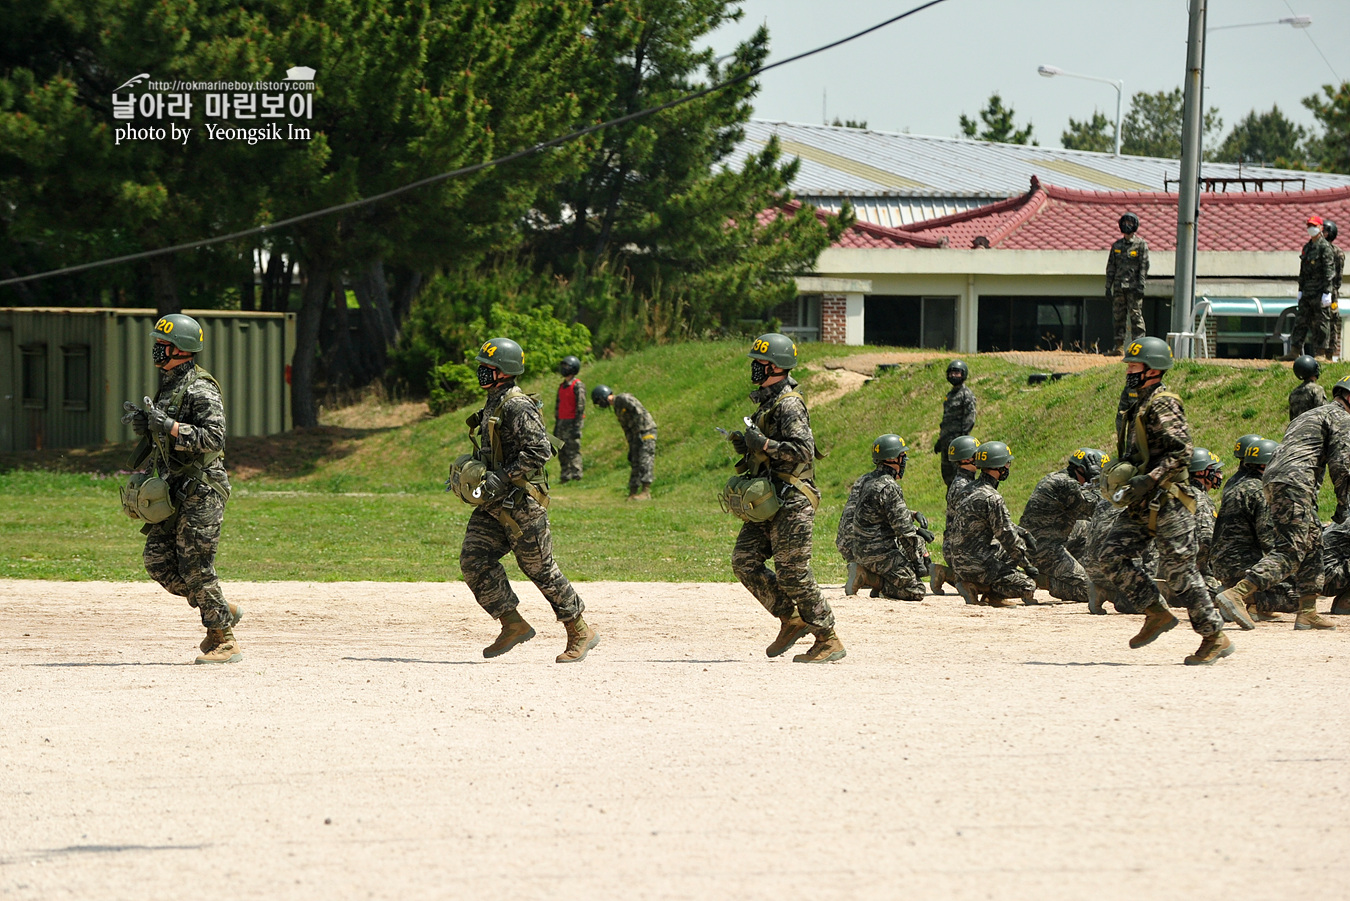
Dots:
{"x": 364, "y": 749}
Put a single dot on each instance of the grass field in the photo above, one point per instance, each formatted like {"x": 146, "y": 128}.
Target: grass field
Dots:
{"x": 367, "y": 503}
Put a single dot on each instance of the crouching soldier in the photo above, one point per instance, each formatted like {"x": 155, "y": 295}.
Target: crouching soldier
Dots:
{"x": 1056, "y": 504}
{"x": 1336, "y": 566}
{"x": 1244, "y": 531}
{"x": 511, "y": 507}
{"x": 961, "y": 456}
{"x": 883, "y": 538}
{"x": 981, "y": 543}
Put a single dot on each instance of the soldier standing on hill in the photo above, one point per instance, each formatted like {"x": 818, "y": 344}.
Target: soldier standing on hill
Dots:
{"x": 639, "y": 429}
{"x": 1334, "y": 322}
{"x": 1308, "y": 394}
{"x": 958, "y": 415}
{"x": 1126, "y": 275}
{"x": 514, "y": 515}
{"x": 1153, "y": 438}
{"x": 781, "y": 434}
{"x": 569, "y": 418}
{"x": 1316, "y": 275}
{"x": 185, "y": 427}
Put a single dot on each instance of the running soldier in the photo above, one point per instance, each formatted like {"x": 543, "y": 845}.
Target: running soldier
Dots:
{"x": 1126, "y": 275}
{"x": 1244, "y": 531}
{"x": 1334, "y": 344}
{"x": 1316, "y": 275}
{"x": 883, "y": 538}
{"x": 981, "y": 544}
{"x": 569, "y": 418}
{"x": 1057, "y": 502}
{"x": 183, "y": 436}
{"x": 1153, "y": 445}
{"x": 958, "y": 415}
{"x": 780, "y": 440}
{"x": 961, "y": 457}
{"x": 639, "y": 429}
{"x": 512, "y": 509}
{"x": 1308, "y": 394}
{"x": 1316, "y": 442}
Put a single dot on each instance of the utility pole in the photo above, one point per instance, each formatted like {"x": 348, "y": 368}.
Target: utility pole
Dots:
{"x": 1188, "y": 200}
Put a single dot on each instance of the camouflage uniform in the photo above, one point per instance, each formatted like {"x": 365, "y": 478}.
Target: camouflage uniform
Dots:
{"x": 958, "y": 418}
{"x": 1126, "y": 275}
{"x": 1168, "y": 439}
{"x": 490, "y": 534}
{"x": 1316, "y": 275}
{"x": 1056, "y": 504}
{"x": 568, "y": 431}
{"x": 1205, "y": 516}
{"x": 1336, "y": 558}
{"x": 983, "y": 546}
{"x": 1103, "y": 520}
{"x": 1243, "y": 534}
{"x": 787, "y": 536}
{"x": 1334, "y": 319}
{"x": 884, "y": 540}
{"x": 640, "y": 430}
{"x": 180, "y": 552}
{"x": 1317, "y": 441}
{"x": 1304, "y": 398}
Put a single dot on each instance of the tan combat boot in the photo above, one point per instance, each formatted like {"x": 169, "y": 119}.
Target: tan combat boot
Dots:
{"x": 970, "y": 592}
{"x": 793, "y": 630}
{"x": 1262, "y": 616}
{"x": 942, "y": 575}
{"x": 225, "y": 649}
{"x": 1232, "y": 603}
{"x": 850, "y": 586}
{"x": 1212, "y": 647}
{"x": 209, "y": 642}
{"x": 1095, "y": 606}
{"x": 580, "y": 639}
{"x": 1308, "y": 617}
{"x": 994, "y": 600}
{"x": 827, "y": 647}
{"x": 1157, "y": 620}
{"x": 1340, "y": 605}
{"x": 514, "y": 631}
{"x": 644, "y": 495}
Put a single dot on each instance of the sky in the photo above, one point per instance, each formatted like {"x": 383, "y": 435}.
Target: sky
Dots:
{"x": 920, "y": 74}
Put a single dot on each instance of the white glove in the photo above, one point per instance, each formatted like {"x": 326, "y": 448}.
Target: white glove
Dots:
{"x": 1300, "y": 296}
{"x": 1326, "y": 299}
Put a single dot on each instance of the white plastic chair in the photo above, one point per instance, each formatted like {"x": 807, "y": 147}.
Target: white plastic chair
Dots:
{"x": 1197, "y": 334}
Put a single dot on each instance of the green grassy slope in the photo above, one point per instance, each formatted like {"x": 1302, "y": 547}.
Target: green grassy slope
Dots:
{"x": 67, "y": 526}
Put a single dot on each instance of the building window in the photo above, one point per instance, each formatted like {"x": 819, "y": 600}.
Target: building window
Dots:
{"x": 901, "y": 320}
{"x": 75, "y": 369}
{"x": 799, "y": 318}
{"x": 34, "y": 376}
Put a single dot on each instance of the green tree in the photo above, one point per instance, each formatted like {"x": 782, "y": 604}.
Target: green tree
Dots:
{"x": 849, "y": 123}
{"x": 1097, "y": 133}
{"x": 998, "y": 124}
{"x": 1267, "y": 139}
{"x": 1152, "y": 127}
{"x": 1330, "y": 151}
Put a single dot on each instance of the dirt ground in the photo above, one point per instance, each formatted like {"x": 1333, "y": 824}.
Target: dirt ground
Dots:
{"x": 364, "y": 749}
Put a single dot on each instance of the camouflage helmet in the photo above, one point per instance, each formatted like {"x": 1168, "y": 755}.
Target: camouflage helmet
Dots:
{"x": 992, "y": 455}
{"x": 1341, "y": 387}
{"x": 1202, "y": 459}
{"x": 569, "y": 365}
{"x": 502, "y": 354}
{"x": 888, "y": 447}
{"x": 1306, "y": 367}
{"x": 600, "y": 395}
{"x": 1240, "y": 446}
{"x": 1260, "y": 452}
{"x": 776, "y": 349}
{"x": 1089, "y": 460}
{"x": 1154, "y": 353}
{"x": 962, "y": 449}
{"x": 183, "y": 332}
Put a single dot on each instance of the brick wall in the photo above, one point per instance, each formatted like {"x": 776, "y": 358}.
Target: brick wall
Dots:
{"x": 833, "y": 319}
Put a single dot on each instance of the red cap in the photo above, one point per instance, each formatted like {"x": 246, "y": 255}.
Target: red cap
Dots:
{"x": 1315, "y": 220}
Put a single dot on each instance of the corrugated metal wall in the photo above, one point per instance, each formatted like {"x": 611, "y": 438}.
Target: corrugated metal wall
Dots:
{"x": 248, "y": 353}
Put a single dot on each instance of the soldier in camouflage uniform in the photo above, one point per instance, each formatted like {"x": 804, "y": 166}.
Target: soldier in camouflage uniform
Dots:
{"x": 569, "y": 418}
{"x": 780, "y": 439}
{"x": 958, "y": 415}
{"x": 961, "y": 457}
{"x": 514, "y": 516}
{"x": 1206, "y": 474}
{"x": 1308, "y": 394}
{"x": 981, "y": 543}
{"x": 183, "y": 432}
{"x": 1334, "y": 322}
{"x": 1316, "y": 275}
{"x": 1153, "y": 445}
{"x": 1316, "y": 442}
{"x": 1336, "y": 566}
{"x": 1057, "y": 503}
{"x": 639, "y": 429}
{"x": 884, "y": 546}
{"x": 1126, "y": 275}
{"x": 1244, "y": 531}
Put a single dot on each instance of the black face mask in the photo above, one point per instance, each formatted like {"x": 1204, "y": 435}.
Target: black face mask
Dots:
{"x": 759, "y": 371}
{"x": 1134, "y": 381}
{"x": 899, "y": 469}
{"x": 486, "y": 376}
{"x": 955, "y": 378}
{"x": 159, "y": 353}
{"x": 1003, "y": 473}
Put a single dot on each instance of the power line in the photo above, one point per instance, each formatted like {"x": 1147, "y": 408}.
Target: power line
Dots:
{"x": 1308, "y": 32}
{"x": 260, "y": 230}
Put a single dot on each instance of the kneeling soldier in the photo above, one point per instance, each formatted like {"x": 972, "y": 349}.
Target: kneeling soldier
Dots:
{"x": 1057, "y": 502}
{"x": 1244, "y": 531}
{"x": 961, "y": 456}
{"x": 512, "y": 514}
{"x": 981, "y": 543}
{"x": 886, "y": 547}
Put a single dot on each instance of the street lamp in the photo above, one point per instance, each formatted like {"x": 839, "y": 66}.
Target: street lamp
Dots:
{"x": 1119, "y": 85}
{"x": 1294, "y": 21}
